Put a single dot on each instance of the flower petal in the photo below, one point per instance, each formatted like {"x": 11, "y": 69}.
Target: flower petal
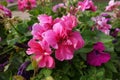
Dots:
{"x": 50, "y": 37}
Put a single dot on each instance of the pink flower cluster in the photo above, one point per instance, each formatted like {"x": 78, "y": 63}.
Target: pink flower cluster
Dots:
{"x": 97, "y": 56}
{"x": 26, "y": 4}
{"x": 5, "y": 11}
{"x": 101, "y": 23}
{"x": 86, "y": 5}
{"x": 54, "y": 36}
{"x": 112, "y": 5}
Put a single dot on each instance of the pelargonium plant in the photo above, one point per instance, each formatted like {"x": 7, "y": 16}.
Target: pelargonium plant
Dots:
{"x": 73, "y": 40}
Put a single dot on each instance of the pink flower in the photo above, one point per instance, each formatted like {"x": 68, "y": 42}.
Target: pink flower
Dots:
{"x": 70, "y": 21}
{"x": 37, "y": 31}
{"x": 41, "y": 53}
{"x": 58, "y": 35}
{"x": 97, "y": 56}
{"x": 45, "y": 19}
{"x": 63, "y": 39}
{"x": 112, "y": 5}
{"x": 86, "y": 5}
{"x": 5, "y": 11}
{"x": 102, "y": 24}
{"x": 26, "y": 4}
{"x": 45, "y": 24}
{"x": 58, "y": 6}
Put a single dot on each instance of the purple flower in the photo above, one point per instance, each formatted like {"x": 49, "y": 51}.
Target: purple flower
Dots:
{"x": 4, "y": 60}
{"x": 5, "y": 11}
{"x": 101, "y": 24}
{"x": 10, "y": 1}
{"x": 58, "y": 6}
{"x": 22, "y": 70}
{"x": 97, "y": 56}
{"x": 115, "y": 32}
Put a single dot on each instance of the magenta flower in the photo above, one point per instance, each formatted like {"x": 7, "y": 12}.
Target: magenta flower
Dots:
{"x": 102, "y": 24}
{"x": 112, "y": 5}
{"x": 86, "y": 5}
{"x": 97, "y": 56}
{"x": 26, "y": 4}
{"x": 99, "y": 46}
{"x": 41, "y": 53}
{"x": 63, "y": 39}
{"x": 58, "y": 6}
{"x": 5, "y": 11}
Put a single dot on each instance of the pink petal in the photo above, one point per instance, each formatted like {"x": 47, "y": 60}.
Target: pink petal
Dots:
{"x": 50, "y": 37}
{"x": 59, "y": 28}
{"x": 37, "y": 31}
{"x": 45, "y": 19}
{"x": 77, "y": 40}
{"x": 35, "y": 48}
{"x": 46, "y": 61}
{"x": 50, "y": 63}
{"x": 64, "y": 53}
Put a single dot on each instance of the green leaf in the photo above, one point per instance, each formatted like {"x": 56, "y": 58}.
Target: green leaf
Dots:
{"x": 3, "y": 3}
{"x": 46, "y": 72}
{"x": 111, "y": 67}
{"x": 30, "y": 67}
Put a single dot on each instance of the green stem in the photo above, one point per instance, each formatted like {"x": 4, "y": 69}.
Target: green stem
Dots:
{"x": 16, "y": 29}
{"x": 7, "y": 50}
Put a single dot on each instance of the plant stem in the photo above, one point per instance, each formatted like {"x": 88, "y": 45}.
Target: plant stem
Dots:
{"x": 16, "y": 29}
